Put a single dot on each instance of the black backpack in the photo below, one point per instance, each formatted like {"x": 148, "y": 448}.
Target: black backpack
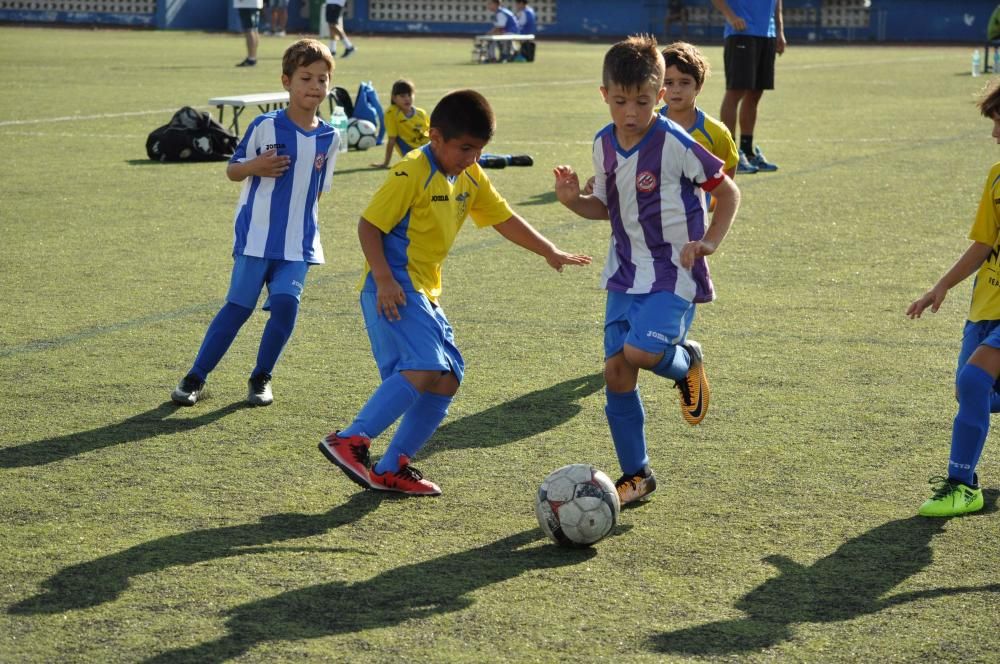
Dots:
{"x": 191, "y": 136}
{"x": 343, "y": 99}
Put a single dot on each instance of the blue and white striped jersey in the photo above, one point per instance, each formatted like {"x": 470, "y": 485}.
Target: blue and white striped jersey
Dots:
{"x": 278, "y": 218}
{"x": 654, "y": 199}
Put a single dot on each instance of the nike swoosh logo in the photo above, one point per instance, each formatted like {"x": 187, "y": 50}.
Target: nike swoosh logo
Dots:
{"x": 697, "y": 410}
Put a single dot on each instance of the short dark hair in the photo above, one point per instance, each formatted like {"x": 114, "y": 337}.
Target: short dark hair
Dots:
{"x": 633, "y": 63}
{"x": 464, "y": 112}
{"x": 688, "y": 60}
{"x": 402, "y": 87}
{"x": 303, "y": 53}
{"x": 989, "y": 102}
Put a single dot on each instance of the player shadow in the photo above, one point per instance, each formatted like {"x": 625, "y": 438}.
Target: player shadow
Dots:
{"x": 544, "y": 198}
{"x": 394, "y": 597}
{"x": 523, "y": 417}
{"x": 151, "y": 423}
{"x": 102, "y": 580}
{"x": 853, "y": 581}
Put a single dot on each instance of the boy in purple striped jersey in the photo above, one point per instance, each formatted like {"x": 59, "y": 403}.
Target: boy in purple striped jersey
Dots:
{"x": 650, "y": 182}
{"x": 285, "y": 162}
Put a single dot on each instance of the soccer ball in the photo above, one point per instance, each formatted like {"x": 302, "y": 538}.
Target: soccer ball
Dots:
{"x": 577, "y": 505}
{"x": 361, "y": 134}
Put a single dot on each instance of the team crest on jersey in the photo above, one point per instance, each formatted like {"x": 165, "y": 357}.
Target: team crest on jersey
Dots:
{"x": 645, "y": 182}
{"x": 463, "y": 206}
{"x": 320, "y": 160}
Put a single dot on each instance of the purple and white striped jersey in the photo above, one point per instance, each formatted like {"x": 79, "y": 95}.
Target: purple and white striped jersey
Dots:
{"x": 654, "y": 197}
{"x": 278, "y": 218}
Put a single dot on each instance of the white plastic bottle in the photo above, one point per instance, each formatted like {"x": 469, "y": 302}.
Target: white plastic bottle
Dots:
{"x": 975, "y": 62}
{"x": 339, "y": 120}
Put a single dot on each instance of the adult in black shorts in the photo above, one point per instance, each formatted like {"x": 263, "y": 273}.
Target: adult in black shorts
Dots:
{"x": 249, "y": 11}
{"x": 334, "y": 11}
{"x": 754, "y": 36}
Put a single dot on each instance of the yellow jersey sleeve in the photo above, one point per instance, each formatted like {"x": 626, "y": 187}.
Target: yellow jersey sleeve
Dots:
{"x": 986, "y": 230}
{"x": 391, "y": 123}
{"x": 489, "y": 208}
{"x": 720, "y": 143}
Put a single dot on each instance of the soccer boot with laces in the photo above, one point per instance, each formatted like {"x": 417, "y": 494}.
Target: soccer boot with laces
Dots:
{"x": 758, "y": 161}
{"x": 406, "y": 480}
{"x": 637, "y": 487}
{"x": 744, "y": 166}
{"x": 952, "y": 498}
{"x": 694, "y": 386}
{"x": 350, "y": 454}
{"x": 188, "y": 391}
{"x": 520, "y": 160}
{"x": 259, "y": 390}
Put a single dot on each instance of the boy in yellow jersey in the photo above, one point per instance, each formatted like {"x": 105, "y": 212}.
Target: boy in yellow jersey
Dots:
{"x": 406, "y": 126}
{"x": 406, "y": 233}
{"x": 958, "y": 492}
{"x": 684, "y": 77}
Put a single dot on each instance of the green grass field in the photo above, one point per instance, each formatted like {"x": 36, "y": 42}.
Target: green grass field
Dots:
{"x": 784, "y": 528}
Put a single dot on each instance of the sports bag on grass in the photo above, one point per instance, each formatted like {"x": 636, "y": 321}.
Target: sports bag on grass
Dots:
{"x": 191, "y": 136}
{"x": 368, "y": 107}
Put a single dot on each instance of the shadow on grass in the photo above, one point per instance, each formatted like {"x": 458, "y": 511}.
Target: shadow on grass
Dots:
{"x": 523, "y": 417}
{"x": 411, "y": 592}
{"x": 138, "y": 427}
{"x": 543, "y": 198}
{"x": 103, "y": 580}
{"x": 852, "y": 581}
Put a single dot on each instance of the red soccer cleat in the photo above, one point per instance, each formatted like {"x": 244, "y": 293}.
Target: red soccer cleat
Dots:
{"x": 406, "y": 480}
{"x": 350, "y": 453}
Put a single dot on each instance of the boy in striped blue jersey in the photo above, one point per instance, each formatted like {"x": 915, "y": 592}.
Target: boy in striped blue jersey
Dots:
{"x": 649, "y": 182}
{"x": 285, "y": 161}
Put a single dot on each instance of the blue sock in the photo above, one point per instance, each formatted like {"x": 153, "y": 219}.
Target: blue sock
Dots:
{"x": 277, "y": 331}
{"x": 418, "y": 425}
{"x": 972, "y": 422}
{"x": 219, "y": 337}
{"x": 627, "y": 420}
{"x": 675, "y": 363}
{"x": 392, "y": 398}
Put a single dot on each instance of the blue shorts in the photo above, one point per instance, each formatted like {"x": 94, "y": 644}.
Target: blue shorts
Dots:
{"x": 421, "y": 340}
{"x": 652, "y": 322}
{"x": 980, "y": 333}
{"x": 250, "y": 274}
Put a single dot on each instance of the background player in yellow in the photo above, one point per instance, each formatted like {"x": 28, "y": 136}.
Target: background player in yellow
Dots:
{"x": 406, "y": 126}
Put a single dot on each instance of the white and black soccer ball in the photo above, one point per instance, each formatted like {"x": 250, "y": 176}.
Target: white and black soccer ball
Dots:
{"x": 361, "y": 134}
{"x": 577, "y": 505}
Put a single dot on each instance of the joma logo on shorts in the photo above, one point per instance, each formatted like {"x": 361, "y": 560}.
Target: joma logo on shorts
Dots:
{"x": 657, "y": 335}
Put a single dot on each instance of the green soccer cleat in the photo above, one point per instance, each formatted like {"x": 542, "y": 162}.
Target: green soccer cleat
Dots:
{"x": 952, "y": 498}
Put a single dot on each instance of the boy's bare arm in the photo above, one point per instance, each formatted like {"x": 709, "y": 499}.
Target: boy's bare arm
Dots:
{"x": 268, "y": 164}
{"x": 966, "y": 265}
{"x": 727, "y": 202}
{"x": 738, "y": 23}
{"x": 523, "y": 234}
{"x": 389, "y": 294}
{"x": 569, "y": 194}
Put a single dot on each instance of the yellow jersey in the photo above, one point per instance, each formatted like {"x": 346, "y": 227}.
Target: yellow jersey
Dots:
{"x": 986, "y": 230}
{"x": 407, "y": 133}
{"x": 421, "y": 210}
{"x": 713, "y": 136}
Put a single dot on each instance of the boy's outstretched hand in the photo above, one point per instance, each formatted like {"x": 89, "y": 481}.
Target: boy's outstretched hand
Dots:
{"x": 559, "y": 259}
{"x": 567, "y": 184}
{"x": 932, "y": 298}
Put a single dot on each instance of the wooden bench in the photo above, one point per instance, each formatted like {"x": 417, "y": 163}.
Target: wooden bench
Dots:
{"x": 265, "y": 101}
{"x": 481, "y": 44}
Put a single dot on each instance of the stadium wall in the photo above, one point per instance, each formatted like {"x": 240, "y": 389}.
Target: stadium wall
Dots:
{"x": 805, "y": 20}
